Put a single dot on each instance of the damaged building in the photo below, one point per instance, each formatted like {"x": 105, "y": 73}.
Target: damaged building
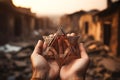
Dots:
{"x": 89, "y": 26}
{"x": 104, "y": 26}
{"x": 70, "y": 21}
{"x": 14, "y": 21}
{"x": 110, "y": 25}
{"x": 44, "y": 25}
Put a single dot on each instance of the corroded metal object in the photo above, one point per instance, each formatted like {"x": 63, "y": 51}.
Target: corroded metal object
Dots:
{"x": 70, "y": 45}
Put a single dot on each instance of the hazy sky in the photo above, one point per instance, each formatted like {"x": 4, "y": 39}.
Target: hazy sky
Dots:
{"x": 45, "y": 7}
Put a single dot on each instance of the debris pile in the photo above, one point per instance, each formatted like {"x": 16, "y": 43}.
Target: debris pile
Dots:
{"x": 103, "y": 65}
{"x": 16, "y": 65}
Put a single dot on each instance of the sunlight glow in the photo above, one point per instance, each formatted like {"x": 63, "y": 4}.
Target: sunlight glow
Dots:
{"x": 60, "y": 6}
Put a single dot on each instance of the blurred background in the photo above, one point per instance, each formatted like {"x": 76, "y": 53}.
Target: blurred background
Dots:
{"x": 24, "y": 22}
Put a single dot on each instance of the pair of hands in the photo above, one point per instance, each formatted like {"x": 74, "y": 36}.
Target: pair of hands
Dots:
{"x": 50, "y": 70}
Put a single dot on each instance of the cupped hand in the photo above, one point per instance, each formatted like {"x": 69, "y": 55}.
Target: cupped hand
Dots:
{"x": 76, "y": 68}
{"x": 43, "y": 68}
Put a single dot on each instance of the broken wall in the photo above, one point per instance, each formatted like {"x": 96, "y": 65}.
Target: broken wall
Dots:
{"x": 88, "y": 26}
{"x": 14, "y": 21}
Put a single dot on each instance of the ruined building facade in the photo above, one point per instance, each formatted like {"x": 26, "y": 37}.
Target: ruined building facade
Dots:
{"x": 88, "y": 25}
{"x": 71, "y": 21}
{"x": 14, "y": 21}
{"x": 110, "y": 25}
{"x": 103, "y": 25}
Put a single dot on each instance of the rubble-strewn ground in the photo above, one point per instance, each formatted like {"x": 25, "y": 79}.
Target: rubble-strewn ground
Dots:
{"x": 103, "y": 65}
{"x": 17, "y": 66}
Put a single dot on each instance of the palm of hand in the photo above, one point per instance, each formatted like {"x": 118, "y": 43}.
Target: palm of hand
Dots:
{"x": 74, "y": 70}
{"x": 42, "y": 65}
{"x": 76, "y": 67}
{"x": 51, "y": 68}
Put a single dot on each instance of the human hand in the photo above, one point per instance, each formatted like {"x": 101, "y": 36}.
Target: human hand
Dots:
{"x": 43, "y": 68}
{"x": 76, "y": 69}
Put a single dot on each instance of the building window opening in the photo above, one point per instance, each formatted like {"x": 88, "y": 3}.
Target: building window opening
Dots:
{"x": 107, "y": 33}
{"x": 86, "y": 27}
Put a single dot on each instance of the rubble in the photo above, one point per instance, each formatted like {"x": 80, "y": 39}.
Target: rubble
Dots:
{"x": 16, "y": 65}
{"x": 9, "y": 48}
{"x": 103, "y": 65}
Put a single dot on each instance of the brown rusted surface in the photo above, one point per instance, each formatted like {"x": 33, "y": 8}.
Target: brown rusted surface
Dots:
{"x": 67, "y": 53}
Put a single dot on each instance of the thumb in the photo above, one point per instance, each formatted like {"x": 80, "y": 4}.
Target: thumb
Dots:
{"x": 83, "y": 52}
{"x": 38, "y": 47}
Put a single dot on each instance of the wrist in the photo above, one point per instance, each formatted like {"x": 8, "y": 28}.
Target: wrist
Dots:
{"x": 37, "y": 75}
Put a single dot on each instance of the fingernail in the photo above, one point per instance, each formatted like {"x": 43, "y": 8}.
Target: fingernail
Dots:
{"x": 68, "y": 34}
{"x": 72, "y": 34}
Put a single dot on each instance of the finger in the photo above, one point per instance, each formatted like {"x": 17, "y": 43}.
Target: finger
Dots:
{"x": 66, "y": 52}
{"x": 54, "y": 34}
{"x": 53, "y": 51}
{"x": 83, "y": 52}
{"x": 72, "y": 34}
{"x": 38, "y": 47}
{"x": 68, "y": 34}
{"x": 51, "y": 35}
{"x": 50, "y": 53}
{"x": 45, "y": 45}
{"x": 55, "y": 55}
{"x": 67, "y": 41}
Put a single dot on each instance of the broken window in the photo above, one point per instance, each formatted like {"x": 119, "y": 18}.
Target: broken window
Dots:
{"x": 86, "y": 27}
{"x": 107, "y": 33}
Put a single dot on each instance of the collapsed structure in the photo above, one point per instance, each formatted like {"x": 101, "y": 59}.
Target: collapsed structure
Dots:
{"x": 18, "y": 22}
{"x": 14, "y": 21}
{"x": 103, "y": 25}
